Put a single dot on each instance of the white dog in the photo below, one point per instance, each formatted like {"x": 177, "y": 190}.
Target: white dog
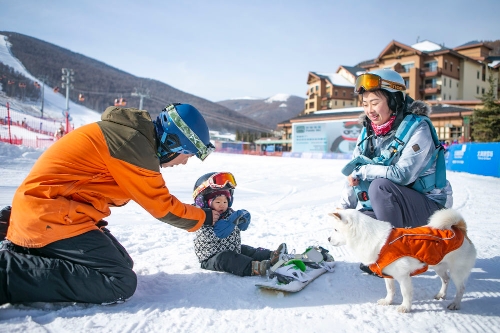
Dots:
{"x": 442, "y": 244}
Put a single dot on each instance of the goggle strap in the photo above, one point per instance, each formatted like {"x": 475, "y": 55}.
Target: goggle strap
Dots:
{"x": 203, "y": 150}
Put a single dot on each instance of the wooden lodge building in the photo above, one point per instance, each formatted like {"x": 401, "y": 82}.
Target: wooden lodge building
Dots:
{"x": 450, "y": 80}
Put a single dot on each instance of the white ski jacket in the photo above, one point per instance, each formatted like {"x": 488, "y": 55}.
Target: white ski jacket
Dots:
{"x": 406, "y": 166}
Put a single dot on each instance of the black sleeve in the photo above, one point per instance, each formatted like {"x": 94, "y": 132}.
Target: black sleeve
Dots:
{"x": 208, "y": 219}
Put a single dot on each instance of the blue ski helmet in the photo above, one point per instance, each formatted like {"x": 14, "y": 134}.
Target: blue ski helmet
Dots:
{"x": 181, "y": 129}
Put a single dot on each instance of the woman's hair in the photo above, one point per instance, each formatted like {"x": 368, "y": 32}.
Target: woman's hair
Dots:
{"x": 389, "y": 97}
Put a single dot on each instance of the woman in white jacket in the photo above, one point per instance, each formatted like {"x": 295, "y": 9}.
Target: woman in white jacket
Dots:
{"x": 397, "y": 173}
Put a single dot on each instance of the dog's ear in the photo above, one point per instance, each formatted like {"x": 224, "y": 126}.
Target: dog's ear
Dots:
{"x": 335, "y": 215}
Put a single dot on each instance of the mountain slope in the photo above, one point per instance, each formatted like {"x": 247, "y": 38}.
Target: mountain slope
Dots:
{"x": 101, "y": 84}
{"x": 269, "y": 111}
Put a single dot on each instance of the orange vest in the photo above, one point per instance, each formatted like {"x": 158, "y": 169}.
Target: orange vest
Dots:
{"x": 426, "y": 244}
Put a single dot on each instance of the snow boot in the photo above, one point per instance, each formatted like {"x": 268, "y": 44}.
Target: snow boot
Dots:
{"x": 260, "y": 267}
{"x": 276, "y": 254}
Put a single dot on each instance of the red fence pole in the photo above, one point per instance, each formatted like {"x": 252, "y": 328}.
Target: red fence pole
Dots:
{"x": 8, "y": 122}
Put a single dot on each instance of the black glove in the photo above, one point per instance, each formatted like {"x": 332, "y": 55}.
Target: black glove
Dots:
{"x": 4, "y": 221}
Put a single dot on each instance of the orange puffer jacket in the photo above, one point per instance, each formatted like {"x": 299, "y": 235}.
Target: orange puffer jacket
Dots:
{"x": 426, "y": 244}
{"x": 97, "y": 166}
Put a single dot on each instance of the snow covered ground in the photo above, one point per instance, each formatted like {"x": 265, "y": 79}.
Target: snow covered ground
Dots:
{"x": 289, "y": 200}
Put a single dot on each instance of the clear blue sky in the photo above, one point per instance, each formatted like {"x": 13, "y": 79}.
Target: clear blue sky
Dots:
{"x": 228, "y": 49}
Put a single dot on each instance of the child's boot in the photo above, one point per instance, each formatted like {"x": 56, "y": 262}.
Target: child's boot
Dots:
{"x": 276, "y": 254}
{"x": 260, "y": 267}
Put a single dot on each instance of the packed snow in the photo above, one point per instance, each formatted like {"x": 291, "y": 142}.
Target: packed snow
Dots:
{"x": 278, "y": 98}
{"x": 289, "y": 199}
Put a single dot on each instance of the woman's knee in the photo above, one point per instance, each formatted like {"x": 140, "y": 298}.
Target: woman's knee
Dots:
{"x": 380, "y": 185}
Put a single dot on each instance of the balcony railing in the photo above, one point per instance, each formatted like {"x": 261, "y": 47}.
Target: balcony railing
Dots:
{"x": 430, "y": 88}
{"x": 430, "y": 72}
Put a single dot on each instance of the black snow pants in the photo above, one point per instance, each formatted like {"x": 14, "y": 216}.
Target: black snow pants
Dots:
{"x": 399, "y": 205}
{"x": 89, "y": 268}
{"x": 236, "y": 263}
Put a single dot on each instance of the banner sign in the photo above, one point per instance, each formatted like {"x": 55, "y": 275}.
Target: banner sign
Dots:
{"x": 477, "y": 158}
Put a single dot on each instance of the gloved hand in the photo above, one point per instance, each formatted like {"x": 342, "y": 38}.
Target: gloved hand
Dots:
{"x": 241, "y": 218}
{"x": 4, "y": 221}
{"x": 223, "y": 228}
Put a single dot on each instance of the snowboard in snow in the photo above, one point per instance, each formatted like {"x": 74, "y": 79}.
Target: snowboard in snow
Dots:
{"x": 308, "y": 276}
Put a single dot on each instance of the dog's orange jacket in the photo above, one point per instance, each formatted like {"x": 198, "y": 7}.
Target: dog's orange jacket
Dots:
{"x": 426, "y": 244}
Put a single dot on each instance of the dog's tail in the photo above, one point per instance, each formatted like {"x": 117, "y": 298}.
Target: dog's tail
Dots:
{"x": 446, "y": 218}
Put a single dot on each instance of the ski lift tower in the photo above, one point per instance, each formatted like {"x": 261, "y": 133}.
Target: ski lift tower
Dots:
{"x": 67, "y": 79}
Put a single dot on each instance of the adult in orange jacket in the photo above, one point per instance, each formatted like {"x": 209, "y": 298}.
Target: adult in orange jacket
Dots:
{"x": 57, "y": 247}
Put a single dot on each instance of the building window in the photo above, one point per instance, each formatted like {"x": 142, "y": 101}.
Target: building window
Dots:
{"x": 450, "y": 83}
{"x": 482, "y": 91}
{"x": 451, "y": 67}
{"x": 477, "y": 90}
{"x": 444, "y": 96}
{"x": 449, "y": 98}
{"x": 430, "y": 97}
{"x": 458, "y": 70}
{"x": 446, "y": 64}
{"x": 312, "y": 89}
{"x": 431, "y": 66}
{"x": 311, "y": 105}
{"x": 455, "y": 132}
{"x": 336, "y": 92}
{"x": 407, "y": 83}
{"x": 343, "y": 94}
{"x": 407, "y": 67}
{"x": 430, "y": 83}
{"x": 317, "y": 87}
{"x": 444, "y": 82}
{"x": 343, "y": 103}
{"x": 478, "y": 76}
{"x": 335, "y": 103}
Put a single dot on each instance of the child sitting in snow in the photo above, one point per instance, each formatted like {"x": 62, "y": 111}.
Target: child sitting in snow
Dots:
{"x": 219, "y": 247}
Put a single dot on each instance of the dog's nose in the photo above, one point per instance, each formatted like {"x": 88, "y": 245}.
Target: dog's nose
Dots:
{"x": 328, "y": 238}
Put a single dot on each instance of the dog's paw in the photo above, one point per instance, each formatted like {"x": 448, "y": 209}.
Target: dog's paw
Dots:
{"x": 383, "y": 301}
{"x": 454, "y": 306}
{"x": 440, "y": 296}
{"x": 403, "y": 309}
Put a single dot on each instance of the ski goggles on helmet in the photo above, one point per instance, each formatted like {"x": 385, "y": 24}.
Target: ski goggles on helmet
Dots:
{"x": 202, "y": 150}
{"x": 216, "y": 181}
{"x": 371, "y": 82}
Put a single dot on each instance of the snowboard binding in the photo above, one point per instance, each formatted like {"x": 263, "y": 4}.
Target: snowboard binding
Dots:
{"x": 292, "y": 266}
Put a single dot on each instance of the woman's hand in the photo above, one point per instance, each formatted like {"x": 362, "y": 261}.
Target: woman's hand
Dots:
{"x": 352, "y": 181}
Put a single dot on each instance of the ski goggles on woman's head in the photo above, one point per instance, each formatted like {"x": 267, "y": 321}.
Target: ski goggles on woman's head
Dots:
{"x": 371, "y": 82}
{"x": 216, "y": 181}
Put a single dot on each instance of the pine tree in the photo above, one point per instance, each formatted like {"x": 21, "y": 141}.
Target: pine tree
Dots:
{"x": 486, "y": 121}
